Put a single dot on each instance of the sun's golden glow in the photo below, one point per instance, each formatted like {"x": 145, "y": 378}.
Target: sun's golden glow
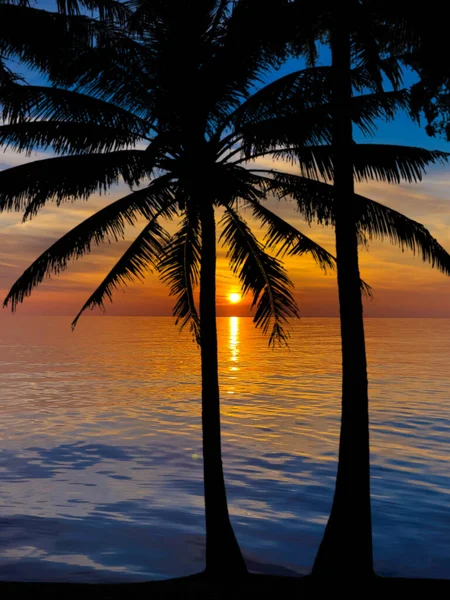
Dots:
{"x": 234, "y": 298}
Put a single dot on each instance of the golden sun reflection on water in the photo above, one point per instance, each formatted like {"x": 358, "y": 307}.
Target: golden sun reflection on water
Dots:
{"x": 234, "y": 338}
{"x": 233, "y": 344}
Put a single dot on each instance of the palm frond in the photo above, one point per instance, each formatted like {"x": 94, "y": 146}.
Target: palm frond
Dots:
{"x": 379, "y": 222}
{"x": 379, "y": 162}
{"x": 141, "y": 257}
{"x": 36, "y": 103}
{"x": 108, "y": 224}
{"x": 366, "y": 290}
{"x": 219, "y": 14}
{"x": 295, "y": 91}
{"x": 390, "y": 163}
{"x": 296, "y": 127}
{"x": 282, "y": 136}
{"x": 8, "y": 78}
{"x": 32, "y": 35}
{"x": 310, "y": 90}
{"x": 315, "y": 202}
{"x": 362, "y": 74}
{"x": 289, "y": 240}
{"x": 107, "y": 10}
{"x": 65, "y": 138}
{"x": 369, "y": 37}
{"x": 233, "y": 181}
{"x": 179, "y": 267}
{"x": 241, "y": 53}
{"x": 367, "y": 109}
{"x": 118, "y": 75}
{"x": 261, "y": 274}
{"x": 31, "y": 185}
{"x": 314, "y": 199}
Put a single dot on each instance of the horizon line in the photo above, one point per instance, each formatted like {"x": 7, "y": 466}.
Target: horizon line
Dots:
{"x": 223, "y": 317}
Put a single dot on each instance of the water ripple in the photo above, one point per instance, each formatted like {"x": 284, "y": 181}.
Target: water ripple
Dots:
{"x": 100, "y": 466}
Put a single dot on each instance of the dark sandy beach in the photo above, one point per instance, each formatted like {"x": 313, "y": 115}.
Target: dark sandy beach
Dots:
{"x": 256, "y": 586}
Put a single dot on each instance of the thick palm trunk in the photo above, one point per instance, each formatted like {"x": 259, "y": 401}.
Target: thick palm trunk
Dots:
{"x": 223, "y": 556}
{"x": 346, "y": 548}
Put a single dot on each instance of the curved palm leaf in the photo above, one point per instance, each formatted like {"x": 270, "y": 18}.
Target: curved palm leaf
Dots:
{"x": 241, "y": 58}
{"x": 379, "y": 162}
{"x": 64, "y": 178}
{"x": 286, "y": 125}
{"x": 368, "y": 108}
{"x": 392, "y": 163}
{"x": 141, "y": 256}
{"x": 108, "y": 224}
{"x": 179, "y": 267}
{"x": 315, "y": 202}
{"x": 65, "y": 138}
{"x": 261, "y": 274}
{"x": 379, "y": 221}
{"x": 30, "y": 102}
{"x": 21, "y": 35}
{"x": 118, "y": 75}
{"x": 370, "y": 36}
{"x": 292, "y": 131}
{"x": 110, "y": 11}
{"x": 390, "y": 65}
{"x": 311, "y": 88}
{"x": 293, "y": 92}
{"x": 7, "y": 77}
{"x": 289, "y": 240}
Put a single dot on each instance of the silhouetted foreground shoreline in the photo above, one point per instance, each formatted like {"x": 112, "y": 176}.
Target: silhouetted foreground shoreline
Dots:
{"x": 198, "y": 586}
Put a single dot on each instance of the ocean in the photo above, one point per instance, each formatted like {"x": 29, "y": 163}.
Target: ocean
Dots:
{"x": 100, "y": 446}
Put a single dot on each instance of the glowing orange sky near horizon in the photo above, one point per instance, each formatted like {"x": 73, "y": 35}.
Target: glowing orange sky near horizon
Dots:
{"x": 403, "y": 285}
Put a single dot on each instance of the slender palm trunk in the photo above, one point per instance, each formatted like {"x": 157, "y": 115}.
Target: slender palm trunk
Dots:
{"x": 346, "y": 548}
{"x": 223, "y": 556}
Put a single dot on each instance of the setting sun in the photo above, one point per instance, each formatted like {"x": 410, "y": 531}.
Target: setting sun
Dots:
{"x": 234, "y": 298}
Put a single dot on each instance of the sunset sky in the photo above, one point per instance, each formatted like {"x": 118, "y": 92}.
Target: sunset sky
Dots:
{"x": 402, "y": 284}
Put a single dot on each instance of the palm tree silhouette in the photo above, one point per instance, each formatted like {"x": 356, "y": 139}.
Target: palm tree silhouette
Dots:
{"x": 183, "y": 107}
{"x": 355, "y": 33}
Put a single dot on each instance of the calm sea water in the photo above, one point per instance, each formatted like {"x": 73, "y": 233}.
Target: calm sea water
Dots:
{"x": 100, "y": 464}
